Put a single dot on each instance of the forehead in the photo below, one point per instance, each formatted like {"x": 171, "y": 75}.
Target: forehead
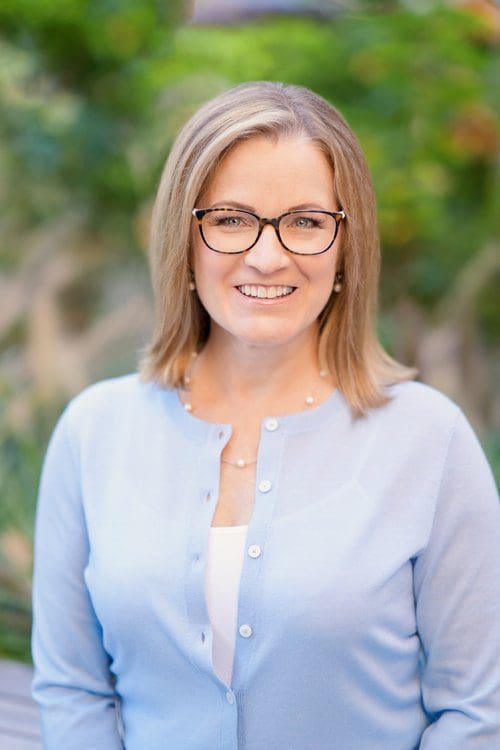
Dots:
{"x": 273, "y": 174}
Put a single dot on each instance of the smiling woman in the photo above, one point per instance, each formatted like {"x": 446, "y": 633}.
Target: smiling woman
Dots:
{"x": 267, "y": 153}
{"x": 270, "y": 536}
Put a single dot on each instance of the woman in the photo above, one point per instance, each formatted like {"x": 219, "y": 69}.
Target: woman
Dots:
{"x": 272, "y": 537}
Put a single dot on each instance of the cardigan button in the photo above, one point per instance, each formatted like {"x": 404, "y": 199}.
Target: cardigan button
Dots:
{"x": 272, "y": 424}
{"x": 254, "y": 550}
{"x": 229, "y": 697}
{"x": 245, "y": 631}
{"x": 265, "y": 485}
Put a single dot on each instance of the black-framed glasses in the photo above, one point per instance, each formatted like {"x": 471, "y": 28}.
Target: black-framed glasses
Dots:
{"x": 235, "y": 230}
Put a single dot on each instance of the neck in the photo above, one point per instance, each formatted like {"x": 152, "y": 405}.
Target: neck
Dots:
{"x": 248, "y": 374}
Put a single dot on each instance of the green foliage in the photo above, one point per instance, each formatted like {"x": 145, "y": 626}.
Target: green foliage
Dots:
{"x": 15, "y": 626}
{"x": 75, "y": 98}
{"x": 21, "y": 457}
{"x": 491, "y": 447}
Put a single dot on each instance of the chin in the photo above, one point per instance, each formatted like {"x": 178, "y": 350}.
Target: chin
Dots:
{"x": 260, "y": 338}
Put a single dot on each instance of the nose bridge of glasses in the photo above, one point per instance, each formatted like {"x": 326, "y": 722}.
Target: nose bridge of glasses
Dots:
{"x": 267, "y": 252}
{"x": 274, "y": 223}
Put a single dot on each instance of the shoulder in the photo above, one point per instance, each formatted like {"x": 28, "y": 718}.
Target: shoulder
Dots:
{"x": 112, "y": 401}
{"x": 427, "y": 435}
{"x": 415, "y": 426}
{"x": 419, "y": 406}
{"x": 109, "y": 390}
{"x": 426, "y": 422}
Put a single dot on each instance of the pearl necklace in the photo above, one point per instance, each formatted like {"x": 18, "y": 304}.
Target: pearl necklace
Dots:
{"x": 240, "y": 463}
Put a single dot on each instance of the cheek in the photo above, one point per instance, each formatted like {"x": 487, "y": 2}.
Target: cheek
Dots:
{"x": 321, "y": 286}
{"x": 212, "y": 276}
{"x": 203, "y": 264}
{"x": 322, "y": 275}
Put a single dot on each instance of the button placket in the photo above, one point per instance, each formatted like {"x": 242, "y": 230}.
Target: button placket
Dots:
{"x": 271, "y": 424}
{"x": 195, "y": 593}
{"x": 272, "y": 440}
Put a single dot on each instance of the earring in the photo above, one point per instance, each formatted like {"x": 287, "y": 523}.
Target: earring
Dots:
{"x": 337, "y": 287}
{"x": 192, "y": 286}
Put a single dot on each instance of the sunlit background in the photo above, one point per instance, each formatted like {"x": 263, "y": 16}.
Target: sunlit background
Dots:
{"x": 92, "y": 93}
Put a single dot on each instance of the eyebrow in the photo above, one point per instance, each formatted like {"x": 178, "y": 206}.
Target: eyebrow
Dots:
{"x": 246, "y": 207}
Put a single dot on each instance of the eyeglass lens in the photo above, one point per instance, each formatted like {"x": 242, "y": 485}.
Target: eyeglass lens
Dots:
{"x": 231, "y": 231}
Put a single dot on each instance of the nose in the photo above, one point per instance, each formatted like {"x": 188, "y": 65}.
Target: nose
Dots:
{"x": 267, "y": 255}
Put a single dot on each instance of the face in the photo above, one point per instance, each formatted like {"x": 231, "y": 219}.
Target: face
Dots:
{"x": 268, "y": 178}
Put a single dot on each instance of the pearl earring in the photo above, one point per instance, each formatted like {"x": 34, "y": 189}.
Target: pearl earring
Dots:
{"x": 337, "y": 287}
{"x": 191, "y": 285}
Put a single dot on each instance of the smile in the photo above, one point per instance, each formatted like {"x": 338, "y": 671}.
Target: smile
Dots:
{"x": 265, "y": 292}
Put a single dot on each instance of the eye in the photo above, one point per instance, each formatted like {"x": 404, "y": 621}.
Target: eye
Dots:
{"x": 230, "y": 221}
{"x": 303, "y": 222}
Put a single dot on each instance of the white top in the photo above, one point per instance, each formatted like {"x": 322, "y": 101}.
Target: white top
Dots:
{"x": 222, "y": 582}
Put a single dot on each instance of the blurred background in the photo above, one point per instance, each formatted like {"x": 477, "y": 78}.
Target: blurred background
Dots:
{"x": 92, "y": 93}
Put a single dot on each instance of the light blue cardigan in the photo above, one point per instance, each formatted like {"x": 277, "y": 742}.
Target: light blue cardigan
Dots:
{"x": 372, "y": 608}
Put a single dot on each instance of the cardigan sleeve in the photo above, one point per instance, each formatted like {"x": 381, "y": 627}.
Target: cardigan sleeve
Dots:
{"x": 72, "y": 681}
{"x": 457, "y": 594}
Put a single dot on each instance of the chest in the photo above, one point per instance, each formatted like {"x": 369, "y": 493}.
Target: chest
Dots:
{"x": 323, "y": 549}
{"x": 236, "y": 496}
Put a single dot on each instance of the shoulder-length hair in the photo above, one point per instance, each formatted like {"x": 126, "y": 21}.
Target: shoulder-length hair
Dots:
{"x": 348, "y": 342}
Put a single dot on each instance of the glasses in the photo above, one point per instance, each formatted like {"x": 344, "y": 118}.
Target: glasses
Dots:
{"x": 232, "y": 230}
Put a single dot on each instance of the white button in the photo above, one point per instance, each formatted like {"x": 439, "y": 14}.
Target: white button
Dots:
{"x": 245, "y": 631}
{"x": 229, "y": 697}
{"x": 265, "y": 485}
{"x": 272, "y": 424}
{"x": 254, "y": 550}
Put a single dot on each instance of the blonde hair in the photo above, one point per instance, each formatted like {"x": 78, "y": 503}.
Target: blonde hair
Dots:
{"x": 348, "y": 343}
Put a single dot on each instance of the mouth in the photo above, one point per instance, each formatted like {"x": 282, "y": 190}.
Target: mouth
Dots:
{"x": 265, "y": 292}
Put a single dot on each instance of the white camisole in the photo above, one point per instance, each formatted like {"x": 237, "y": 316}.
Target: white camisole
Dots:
{"x": 226, "y": 547}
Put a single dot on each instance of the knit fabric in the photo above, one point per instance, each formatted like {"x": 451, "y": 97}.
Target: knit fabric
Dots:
{"x": 369, "y": 601}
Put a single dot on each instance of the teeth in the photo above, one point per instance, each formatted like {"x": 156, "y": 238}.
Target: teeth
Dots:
{"x": 265, "y": 292}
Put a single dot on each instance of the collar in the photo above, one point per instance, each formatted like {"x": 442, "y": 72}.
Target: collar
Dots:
{"x": 310, "y": 418}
